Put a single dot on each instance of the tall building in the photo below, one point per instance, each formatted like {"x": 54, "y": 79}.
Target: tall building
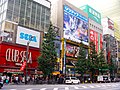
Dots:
{"x": 73, "y": 29}
{"x": 22, "y": 22}
{"x": 95, "y": 27}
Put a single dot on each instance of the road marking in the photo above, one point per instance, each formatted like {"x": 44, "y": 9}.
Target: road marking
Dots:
{"x": 84, "y": 86}
{"x": 97, "y": 86}
{"x": 28, "y": 89}
{"x": 13, "y": 89}
{"x": 91, "y": 86}
{"x": 76, "y": 87}
{"x": 55, "y": 89}
{"x": 43, "y": 89}
{"x": 103, "y": 85}
{"x": 66, "y": 88}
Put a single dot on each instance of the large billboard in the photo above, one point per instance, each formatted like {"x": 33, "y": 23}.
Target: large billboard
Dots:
{"x": 24, "y": 35}
{"x": 13, "y": 56}
{"x": 92, "y": 13}
{"x": 75, "y": 26}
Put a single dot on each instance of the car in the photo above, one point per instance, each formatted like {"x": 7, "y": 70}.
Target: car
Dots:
{"x": 1, "y": 82}
{"x": 72, "y": 80}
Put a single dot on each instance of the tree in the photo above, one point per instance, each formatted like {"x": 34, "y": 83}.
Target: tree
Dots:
{"x": 102, "y": 64}
{"x": 93, "y": 58}
{"x": 48, "y": 58}
{"x": 112, "y": 67}
{"x": 81, "y": 64}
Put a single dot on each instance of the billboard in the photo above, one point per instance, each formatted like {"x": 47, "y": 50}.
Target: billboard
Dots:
{"x": 15, "y": 55}
{"x": 75, "y": 26}
{"x": 94, "y": 38}
{"x": 92, "y": 13}
{"x": 24, "y": 35}
{"x": 72, "y": 51}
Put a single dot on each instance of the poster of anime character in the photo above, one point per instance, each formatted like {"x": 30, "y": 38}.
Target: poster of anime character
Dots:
{"x": 75, "y": 28}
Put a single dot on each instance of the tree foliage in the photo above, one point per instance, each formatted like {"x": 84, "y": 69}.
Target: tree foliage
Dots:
{"x": 48, "y": 57}
{"x": 82, "y": 64}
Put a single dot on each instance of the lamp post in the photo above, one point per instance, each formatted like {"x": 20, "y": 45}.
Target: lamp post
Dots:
{"x": 27, "y": 51}
{"x": 27, "y": 61}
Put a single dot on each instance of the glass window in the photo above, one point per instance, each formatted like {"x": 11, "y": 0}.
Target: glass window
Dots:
{"x": 47, "y": 11}
{"x": 15, "y": 18}
{"x": 10, "y": 4}
{"x": 47, "y": 19}
{"x": 9, "y": 15}
{"x": 43, "y": 9}
{"x": 42, "y": 25}
{"x": 43, "y": 17}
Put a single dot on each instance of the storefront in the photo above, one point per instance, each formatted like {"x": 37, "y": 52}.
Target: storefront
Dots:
{"x": 12, "y": 57}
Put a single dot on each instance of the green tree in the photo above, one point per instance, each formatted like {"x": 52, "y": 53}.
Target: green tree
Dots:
{"x": 48, "y": 57}
{"x": 81, "y": 64}
{"x": 112, "y": 67}
{"x": 102, "y": 64}
{"x": 93, "y": 58}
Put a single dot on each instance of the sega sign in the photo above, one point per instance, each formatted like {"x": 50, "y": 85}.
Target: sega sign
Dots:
{"x": 24, "y": 35}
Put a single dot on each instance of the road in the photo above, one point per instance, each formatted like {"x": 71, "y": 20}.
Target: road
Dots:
{"x": 94, "y": 86}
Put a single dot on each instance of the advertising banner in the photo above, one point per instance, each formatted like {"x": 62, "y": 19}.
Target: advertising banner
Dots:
{"x": 101, "y": 41}
{"x": 75, "y": 26}
{"x": 24, "y": 35}
{"x": 94, "y": 38}
{"x": 15, "y": 55}
{"x": 110, "y": 24}
{"x": 72, "y": 51}
{"x": 92, "y": 13}
{"x": 23, "y": 66}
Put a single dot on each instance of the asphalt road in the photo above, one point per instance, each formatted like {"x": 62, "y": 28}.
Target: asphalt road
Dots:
{"x": 94, "y": 86}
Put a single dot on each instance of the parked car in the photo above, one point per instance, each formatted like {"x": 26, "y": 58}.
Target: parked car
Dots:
{"x": 72, "y": 80}
{"x": 1, "y": 82}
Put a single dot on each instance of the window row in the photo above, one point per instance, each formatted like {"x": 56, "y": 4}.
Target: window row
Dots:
{"x": 28, "y": 13}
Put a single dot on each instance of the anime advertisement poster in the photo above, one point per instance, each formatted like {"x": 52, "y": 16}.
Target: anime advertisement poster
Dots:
{"x": 75, "y": 26}
{"x": 72, "y": 51}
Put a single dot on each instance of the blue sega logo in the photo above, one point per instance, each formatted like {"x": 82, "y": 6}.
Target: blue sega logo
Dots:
{"x": 28, "y": 37}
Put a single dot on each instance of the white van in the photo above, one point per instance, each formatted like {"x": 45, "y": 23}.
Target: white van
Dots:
{"x": 103, "y": 78}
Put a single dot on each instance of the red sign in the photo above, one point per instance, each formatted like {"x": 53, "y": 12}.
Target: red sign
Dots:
{"x": 94, "y": 38}
{"x": 12, "y": 55}
{"x": 23, "y": 66}
{"x": 101, "y": 41}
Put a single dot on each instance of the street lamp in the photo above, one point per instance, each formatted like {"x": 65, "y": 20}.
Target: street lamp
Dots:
{"x": 27, "y": 51}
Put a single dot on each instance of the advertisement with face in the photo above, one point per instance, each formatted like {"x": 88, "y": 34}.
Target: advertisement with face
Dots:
{"x": 75, "y": 26}
{"x": 72, "y": 51}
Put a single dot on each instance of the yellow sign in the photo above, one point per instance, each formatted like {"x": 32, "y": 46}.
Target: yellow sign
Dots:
{"x": 61, "y": 64}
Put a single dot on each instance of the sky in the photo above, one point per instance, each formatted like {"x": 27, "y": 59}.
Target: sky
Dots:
{"x": 98, "y": 5}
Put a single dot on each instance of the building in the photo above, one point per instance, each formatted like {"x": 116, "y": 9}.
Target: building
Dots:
{"x": 73, "y": 29}
{"x": 95, "y": 27}
{"x": 22, "y": 21}
{"x": 117, "y": 36}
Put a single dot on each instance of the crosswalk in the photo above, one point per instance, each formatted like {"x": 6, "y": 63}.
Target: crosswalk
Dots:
{"x": 71, "y": 87}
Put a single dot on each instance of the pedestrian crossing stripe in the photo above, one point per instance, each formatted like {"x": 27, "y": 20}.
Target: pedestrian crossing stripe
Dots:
{"x": 76, "y": 87}
{"x": 55, "y": 89}
{"x": 43, "y": 89}
{"x": 66, "y": 88}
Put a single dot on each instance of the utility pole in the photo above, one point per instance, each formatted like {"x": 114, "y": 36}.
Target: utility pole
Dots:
{"x": 27, "y": 51}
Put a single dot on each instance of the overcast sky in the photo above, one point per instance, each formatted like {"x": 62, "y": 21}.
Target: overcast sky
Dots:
{"x": 96, "y": 4}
